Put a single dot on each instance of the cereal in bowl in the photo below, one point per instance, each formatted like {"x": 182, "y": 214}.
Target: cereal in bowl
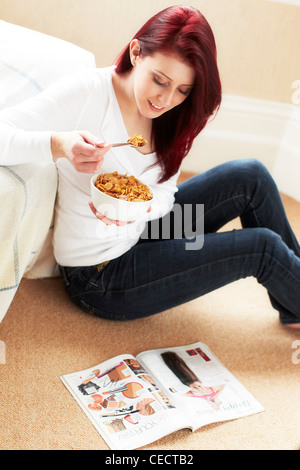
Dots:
{"x": 123, "y": 187}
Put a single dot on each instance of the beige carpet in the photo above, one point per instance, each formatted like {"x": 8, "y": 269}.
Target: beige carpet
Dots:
{"x": 47, "y": 336}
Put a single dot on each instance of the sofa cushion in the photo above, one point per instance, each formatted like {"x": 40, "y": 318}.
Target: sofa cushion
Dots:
{"x": 29, "y": 62}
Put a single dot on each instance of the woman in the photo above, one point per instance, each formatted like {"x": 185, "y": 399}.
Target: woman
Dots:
{"x": 182, "y": 371}
{"x": 165, "y": 85}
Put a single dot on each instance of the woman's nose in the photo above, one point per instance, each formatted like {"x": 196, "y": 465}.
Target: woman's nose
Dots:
{"x": 166, "y": 98}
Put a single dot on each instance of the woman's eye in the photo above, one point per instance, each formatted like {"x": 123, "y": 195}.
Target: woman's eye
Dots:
{"x": 157, "y": 82}
{"x": 165, "y": 84}
{"x": 185, "y": 93}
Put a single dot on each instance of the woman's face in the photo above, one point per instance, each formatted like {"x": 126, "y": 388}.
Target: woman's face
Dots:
{"x": 160, "y": 82}
{"x": 197, "y": 386}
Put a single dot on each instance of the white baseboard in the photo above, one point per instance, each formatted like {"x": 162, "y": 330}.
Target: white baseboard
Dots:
{"x": 286, "y": 170}
{"x": 245, "y": 127}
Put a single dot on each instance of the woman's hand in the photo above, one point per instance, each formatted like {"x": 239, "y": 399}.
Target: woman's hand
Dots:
{"x": 105, "y": 219}
{"x": 81, "y": 148}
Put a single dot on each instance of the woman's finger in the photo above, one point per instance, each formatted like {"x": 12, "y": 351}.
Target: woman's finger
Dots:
{"x": 105, "y": 219}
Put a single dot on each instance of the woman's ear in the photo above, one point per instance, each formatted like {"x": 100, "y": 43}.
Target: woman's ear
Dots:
{"x": 134, "y": 50}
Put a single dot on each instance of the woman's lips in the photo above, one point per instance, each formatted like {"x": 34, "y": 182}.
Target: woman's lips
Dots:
{"x": 154, "y": 107}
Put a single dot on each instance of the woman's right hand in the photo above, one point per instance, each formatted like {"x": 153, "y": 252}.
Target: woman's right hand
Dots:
{"x": 81, "y": 148}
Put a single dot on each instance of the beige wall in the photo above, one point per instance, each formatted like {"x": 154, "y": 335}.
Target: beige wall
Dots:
{"x": 258, "y": 40}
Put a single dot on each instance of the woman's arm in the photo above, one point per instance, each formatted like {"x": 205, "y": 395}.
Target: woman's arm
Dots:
{"x": 42, "y": 128}
{"x": 163, "y": 197}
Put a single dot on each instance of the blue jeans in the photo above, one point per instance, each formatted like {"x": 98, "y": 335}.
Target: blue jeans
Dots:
{"x": 159, "y": 274}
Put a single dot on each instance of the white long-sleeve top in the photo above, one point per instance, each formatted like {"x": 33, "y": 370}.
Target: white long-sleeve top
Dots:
{"x": 83, "y": 101}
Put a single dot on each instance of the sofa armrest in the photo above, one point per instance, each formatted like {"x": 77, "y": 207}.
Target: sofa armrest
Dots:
{"x": 29, "y": 62}
{"x": 27, "y": 197}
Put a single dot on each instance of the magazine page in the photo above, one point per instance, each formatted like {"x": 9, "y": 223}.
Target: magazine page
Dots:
{"x": 124, "y": 403}
{"x": 197, "y": 382}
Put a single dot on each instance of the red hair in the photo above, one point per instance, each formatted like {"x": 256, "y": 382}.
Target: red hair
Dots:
{"x": 185, "y": 31}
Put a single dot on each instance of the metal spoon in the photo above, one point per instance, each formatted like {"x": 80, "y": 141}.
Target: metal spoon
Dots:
{"x": 121, "y": 144}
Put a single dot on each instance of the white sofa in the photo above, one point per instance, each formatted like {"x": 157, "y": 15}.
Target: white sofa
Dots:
{"x": 29, "y": 62}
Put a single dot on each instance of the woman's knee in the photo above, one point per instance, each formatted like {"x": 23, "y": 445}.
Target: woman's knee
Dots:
{"x": 254, "y": 169}
{"x": 271, "y": 248}
{"x": 254, "y": 177}
{"x": 270, "y": 237}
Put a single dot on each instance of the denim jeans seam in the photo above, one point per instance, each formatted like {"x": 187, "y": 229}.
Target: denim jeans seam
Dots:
{"x": 230, "y": 199}
{"x": 222, "y": 202}
{"x": 181, "y": 273}
{"x": 82, "y": 293}
{"x": 102, "y": 280}
{"x": 282, "y": 266}
{"x": 255, "y": 215}
{"x": 100, "y": 313}
{"x": 92, "y": 284}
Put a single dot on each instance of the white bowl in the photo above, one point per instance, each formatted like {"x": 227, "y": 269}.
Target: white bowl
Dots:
{"x": 117, "y": 209}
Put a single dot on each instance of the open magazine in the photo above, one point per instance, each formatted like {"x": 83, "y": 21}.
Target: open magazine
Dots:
{"x": 133, "y": 401}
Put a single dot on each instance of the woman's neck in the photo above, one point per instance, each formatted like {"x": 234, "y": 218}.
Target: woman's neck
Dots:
{"x": 123, "y": 86}
{"x": 134, "y": 122}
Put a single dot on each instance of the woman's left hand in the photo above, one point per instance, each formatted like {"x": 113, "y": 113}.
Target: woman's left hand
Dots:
{"x": 105, "y": 219}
